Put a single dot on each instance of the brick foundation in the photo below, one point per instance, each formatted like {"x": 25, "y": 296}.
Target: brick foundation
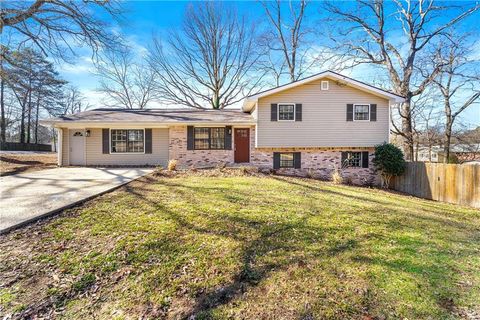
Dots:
{"x": 316, "y": 162}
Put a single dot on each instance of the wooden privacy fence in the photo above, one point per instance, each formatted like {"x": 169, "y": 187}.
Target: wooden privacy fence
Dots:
{"x": 454, "y": 183}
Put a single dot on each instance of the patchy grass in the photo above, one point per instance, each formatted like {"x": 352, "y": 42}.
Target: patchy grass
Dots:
{"x": 246, "y": 247}
{"x": 12, "y": 163}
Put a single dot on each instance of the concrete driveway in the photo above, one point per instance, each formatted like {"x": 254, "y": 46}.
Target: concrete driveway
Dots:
{"x": 29, "y": 196}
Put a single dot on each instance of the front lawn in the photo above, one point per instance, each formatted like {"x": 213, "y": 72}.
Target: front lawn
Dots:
{"x": 17, "y": 162}
{"x": 246, "y": 247}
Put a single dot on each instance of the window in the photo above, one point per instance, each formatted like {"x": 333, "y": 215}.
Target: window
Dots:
{"x": 286, "y": 160}
{"x": 324, "y": 85}
{"x": 209, "y": 138}
{"x": 127, "y": 141}
{"x": 286, "y": 112}
{"x": 361, "y": 112}
{"x": 352, "y": 159}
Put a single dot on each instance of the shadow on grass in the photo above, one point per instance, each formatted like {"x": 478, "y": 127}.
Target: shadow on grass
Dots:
{"x": 288, "y": 236}
{"x": 281, "y": 236}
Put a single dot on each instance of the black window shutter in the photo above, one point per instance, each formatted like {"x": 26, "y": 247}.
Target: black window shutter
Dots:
{"x": 148, "y": 140}
{"x": 373, "y": 112}
{"x": 105, "y": 141}
{"x": 276, "y": 160}
{"x": 190, "y": 138}
{"x": 343, "y": 164}
{"x": 365, "y": 159}
{"x": 228, "y": 138}
{"x": 273, "y": 112}
{"x": 297, "y": 160}
{"x": 298, "y": 112}
{"x": 349, "y": 112}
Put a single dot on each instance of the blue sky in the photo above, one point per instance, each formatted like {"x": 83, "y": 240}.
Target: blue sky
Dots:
{"x": 142, "y": 19}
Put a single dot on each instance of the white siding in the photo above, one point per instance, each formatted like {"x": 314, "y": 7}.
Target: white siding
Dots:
{"x": 65, "y": 147}
{"x": 324, "y": 118}
{"x": 159, "y": 155}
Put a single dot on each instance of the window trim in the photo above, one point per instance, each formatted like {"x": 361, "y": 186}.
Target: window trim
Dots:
{"x": 362, "y": 104}
{"x": 210, "y": 137}
{"x": 280, "y": 160}
{"x": 110, "y": 141}
{"x": 294, "y": 111}
{"x": 325, "y": 88}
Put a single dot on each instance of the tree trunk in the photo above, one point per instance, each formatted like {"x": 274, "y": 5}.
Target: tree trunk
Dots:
{"x": 37, "y": 111}
{"x": 3, "y": 136}
{"x": 29, "y": 116}
{"x": 448, "y": 138}
{"x": 407, "y": 129}
{"x": 22, "y": 121}
{"x": 448, "y": 129}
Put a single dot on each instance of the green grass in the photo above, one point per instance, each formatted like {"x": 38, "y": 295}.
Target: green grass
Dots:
{"x": 246, "y": 247}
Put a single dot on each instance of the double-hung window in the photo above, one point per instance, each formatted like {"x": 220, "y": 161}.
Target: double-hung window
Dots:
{"x": 286, "y": 160}
{"x": 209, "y": 138}
{"x": 361, "y": 112}
{"x": 286, "y": 112}
{"x": 127, "y": 141}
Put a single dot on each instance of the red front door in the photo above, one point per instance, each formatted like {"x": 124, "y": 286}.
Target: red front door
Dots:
{"x": 242, "y": 145}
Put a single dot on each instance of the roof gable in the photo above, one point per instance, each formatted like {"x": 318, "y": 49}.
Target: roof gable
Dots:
{"x": 250, "y": 101}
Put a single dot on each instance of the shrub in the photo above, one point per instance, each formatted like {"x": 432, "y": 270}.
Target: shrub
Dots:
{"x": 389, "y": 161}
{"x": 172, "y": 165}
{"x": 336, "y": 176}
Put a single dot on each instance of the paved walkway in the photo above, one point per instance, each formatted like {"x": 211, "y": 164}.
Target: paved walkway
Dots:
{"x": 28, "y": 196}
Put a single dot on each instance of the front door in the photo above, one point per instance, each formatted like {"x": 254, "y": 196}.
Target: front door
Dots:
{"x": 242, "y": 145}
{"x": 77, "y": 147}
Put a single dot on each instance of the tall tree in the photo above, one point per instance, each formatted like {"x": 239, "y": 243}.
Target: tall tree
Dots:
{"x": 207, "y": 63}
{"x": 285, "y": 42}
{"x": 33, "y": 81}
{"x": 458, "y": 82}
{"x": 53, "y": 26}
{"x": 367, "y": 33}
{"x": 126, "y": 80}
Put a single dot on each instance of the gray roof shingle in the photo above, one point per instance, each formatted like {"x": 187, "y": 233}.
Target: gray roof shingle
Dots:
{"x": 154, "y": 116}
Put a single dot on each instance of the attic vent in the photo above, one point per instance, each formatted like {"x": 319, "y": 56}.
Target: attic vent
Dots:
{"x": 324, "y": 85}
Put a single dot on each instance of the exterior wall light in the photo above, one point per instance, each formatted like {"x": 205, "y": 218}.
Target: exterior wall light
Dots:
{"x": 87, "y": 133}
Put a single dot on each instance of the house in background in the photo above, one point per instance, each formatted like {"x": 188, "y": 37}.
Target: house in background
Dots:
{"x": 463, "y": 153}
{"x": 314, "y": 125}
{"x": 427, "y": 154}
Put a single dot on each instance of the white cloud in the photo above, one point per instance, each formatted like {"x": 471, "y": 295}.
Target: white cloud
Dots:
{"x": 83, "y": 65}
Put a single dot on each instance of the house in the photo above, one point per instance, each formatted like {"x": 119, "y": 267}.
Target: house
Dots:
{"x": 314, "y": 125}
{"x": 462, "y": 153}
{"x": 427, "y": 154}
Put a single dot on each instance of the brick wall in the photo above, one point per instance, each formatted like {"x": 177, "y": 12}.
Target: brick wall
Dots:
{"x": 317, "y": 162}
{"x": 194, "y": 158}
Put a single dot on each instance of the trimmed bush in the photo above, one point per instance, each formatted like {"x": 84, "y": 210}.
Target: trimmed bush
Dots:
{"x": 389, "y": 161}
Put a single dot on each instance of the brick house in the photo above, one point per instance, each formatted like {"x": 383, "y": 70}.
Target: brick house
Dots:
{"x": 312, "y": 126}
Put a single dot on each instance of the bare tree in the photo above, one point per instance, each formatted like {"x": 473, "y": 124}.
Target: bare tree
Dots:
{"x": 72, "y": 101}
{"x": 125, "y": 80}
{"x": 458, "y": 82}
{"x": 52, "y": 26}
{"x": 207, "y": 63}
{"x": 365, "y": 36}
{"x": 427, "y": 122}
{"x": 286, "y": 44}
